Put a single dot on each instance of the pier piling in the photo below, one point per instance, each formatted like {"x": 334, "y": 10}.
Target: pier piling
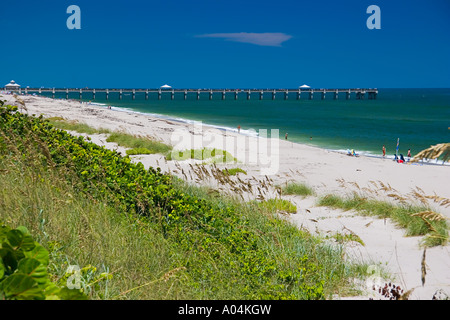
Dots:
{"x": 360, "y": 94}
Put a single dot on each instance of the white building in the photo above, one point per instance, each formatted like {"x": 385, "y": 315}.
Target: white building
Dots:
{"x": 12, "y": 86}
{"x": 166, "y": 86}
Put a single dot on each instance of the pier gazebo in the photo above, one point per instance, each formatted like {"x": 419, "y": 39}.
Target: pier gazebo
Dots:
{"x": 12, "y": 86}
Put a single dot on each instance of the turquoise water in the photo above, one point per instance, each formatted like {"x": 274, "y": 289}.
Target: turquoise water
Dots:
{"x": 418, "y": 117}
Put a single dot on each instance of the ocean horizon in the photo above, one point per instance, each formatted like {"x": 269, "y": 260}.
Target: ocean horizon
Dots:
{"x": 416, "y": 117}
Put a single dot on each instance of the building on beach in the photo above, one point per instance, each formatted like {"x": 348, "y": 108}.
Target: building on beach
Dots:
{"x": 12, "y": 86}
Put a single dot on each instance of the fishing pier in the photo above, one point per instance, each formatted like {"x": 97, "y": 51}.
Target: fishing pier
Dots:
{"x": 172, "y": 94}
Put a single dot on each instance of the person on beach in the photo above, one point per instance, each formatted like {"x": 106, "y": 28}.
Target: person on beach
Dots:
{"x": 285, "y": 136}
{"x": 409, "y": 153}
{"x": 384, "y": 151}
{"x": 239, "y": 129}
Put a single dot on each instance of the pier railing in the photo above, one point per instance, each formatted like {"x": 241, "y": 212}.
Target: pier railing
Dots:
{"x": 300, "y": 93}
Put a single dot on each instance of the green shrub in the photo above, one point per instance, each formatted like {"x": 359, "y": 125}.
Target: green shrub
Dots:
{"x": 23, "y": 269}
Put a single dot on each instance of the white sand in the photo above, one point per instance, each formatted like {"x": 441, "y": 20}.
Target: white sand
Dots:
{"x": 325, "y": 171}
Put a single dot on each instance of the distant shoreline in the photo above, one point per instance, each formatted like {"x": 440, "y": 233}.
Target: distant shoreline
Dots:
{"x": 227, "y": 129}
{"x": 362, "y": 153}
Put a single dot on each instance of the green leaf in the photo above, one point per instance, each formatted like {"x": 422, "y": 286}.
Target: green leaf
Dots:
{"x": 39, "y": 253}
{"x": 8, "y": 257}
{"x": 2, "y": 269}
{"x": 34, "y": 269}
{"x": 3, "y": 231}
{"x": 18, "y": 239}
{"x": 71, "y": 294}
{"x": 21, "y": 286}
{"x": 23, "y": 229}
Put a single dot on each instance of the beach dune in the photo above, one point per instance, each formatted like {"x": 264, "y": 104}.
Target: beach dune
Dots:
{"x": 283, "y": 161}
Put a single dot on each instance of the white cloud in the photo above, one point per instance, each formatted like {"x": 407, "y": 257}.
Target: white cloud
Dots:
{"x": 260, "y": 39}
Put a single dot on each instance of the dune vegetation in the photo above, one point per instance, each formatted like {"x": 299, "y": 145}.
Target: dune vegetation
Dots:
{"x": 136, "y": 233}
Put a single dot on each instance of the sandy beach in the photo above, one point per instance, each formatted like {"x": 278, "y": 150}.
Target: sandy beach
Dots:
{"x": 281, "y": 161}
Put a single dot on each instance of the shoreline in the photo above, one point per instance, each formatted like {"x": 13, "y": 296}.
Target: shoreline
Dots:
{"x": 324, "y": 170}
{"x": 245, "y": 132}
{"x": 362, "y": 153}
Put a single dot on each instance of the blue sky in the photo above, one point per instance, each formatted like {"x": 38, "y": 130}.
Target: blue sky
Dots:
{"x": 226, "y": 44}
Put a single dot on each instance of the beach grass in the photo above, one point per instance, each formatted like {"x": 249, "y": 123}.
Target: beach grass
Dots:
{"x": 433, "y": 227}
{"x": 208, "y": 154}
{"x": 124, "y": 256}
{"x": 299, "y": 189}
{"x": 233, "y": 171}
{"x": 73, "y": 125}
{"x": 139, "y": 234}
{"x": 138, "y": 151}
{"x": 77, "y": 231}
{"x": 138, "y": 144}
{"x": 277, "y": 205}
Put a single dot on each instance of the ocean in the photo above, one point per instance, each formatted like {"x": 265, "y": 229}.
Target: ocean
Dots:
{"x": 419, "y": 118}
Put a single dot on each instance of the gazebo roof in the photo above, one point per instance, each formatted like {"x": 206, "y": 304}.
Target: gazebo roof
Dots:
{"x": 12, "y": 84}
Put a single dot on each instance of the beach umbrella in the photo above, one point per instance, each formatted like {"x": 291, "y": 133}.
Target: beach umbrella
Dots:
{"x": 398, "y": 143}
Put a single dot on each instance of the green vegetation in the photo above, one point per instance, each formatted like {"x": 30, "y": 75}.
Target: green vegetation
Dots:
{"x": 139, "y": 234}
{"x": 298, "y": 189}
{"x": 61, "y": 123}
{"x": 138, "y": 144}
{"x": 406, "y": 216}
{"x": 23, "y": 269}
{"x": 233, "y": 171}
{"x": 347, "y": 237}
{"x": 214, "y": 155}
{"x": 137, "y": 151}
{"x": 278, "y": 205}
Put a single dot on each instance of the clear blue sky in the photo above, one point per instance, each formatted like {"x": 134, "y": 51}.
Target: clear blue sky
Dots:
{"x": 226, "y": 43}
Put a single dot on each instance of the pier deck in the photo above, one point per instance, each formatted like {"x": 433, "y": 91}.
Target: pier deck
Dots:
{"x": 300, "y": 93}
